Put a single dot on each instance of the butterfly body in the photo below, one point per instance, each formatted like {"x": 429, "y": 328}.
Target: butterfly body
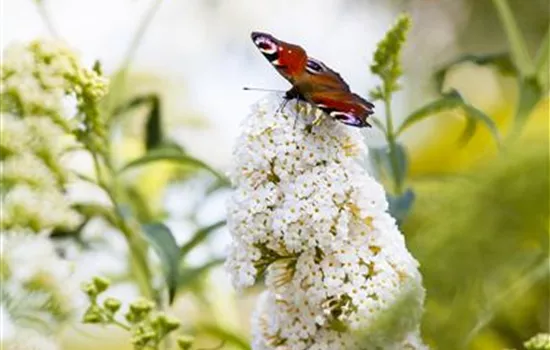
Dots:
{"x": 312, "y": 81}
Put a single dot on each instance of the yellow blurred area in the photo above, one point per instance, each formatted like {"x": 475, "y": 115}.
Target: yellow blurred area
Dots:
{"x": 486, "y": 89}
{"x": 150, "y": 180}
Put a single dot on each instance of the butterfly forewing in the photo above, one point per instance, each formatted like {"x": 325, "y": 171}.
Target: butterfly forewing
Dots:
{"x": 288, "y": 59}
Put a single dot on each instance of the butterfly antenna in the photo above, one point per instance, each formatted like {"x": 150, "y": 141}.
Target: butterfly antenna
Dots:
{"x": 247, "y": 88}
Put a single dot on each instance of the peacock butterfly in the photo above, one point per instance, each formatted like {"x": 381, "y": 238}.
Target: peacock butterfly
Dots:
{"x": 312, "y": 81}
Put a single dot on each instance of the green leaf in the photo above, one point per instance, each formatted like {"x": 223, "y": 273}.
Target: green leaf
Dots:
{"x": 542, "y": 62}
{"x": 97, "y": 67}
{"x": 165, "y": 245}
{"x": 502, "y": 61}
{"x": 518, "y": 47}
{"x": 189, "y": 275}
{"x": 382, "y": 161}
{"x": 175, "y": 156}
{"x": 530, "y": 93}
{"x": 139, "y": 205}
{"x": 400, "y": 206}
{"x": 135, "y": 102}
{"x": 451, "y": 101}
{"x": 153, "y": 127}
{"x": 230, "y": 337}
{"x": 91, "y": 210}
{"x": 376, "y": 122}
{"x": 199, "y": 237}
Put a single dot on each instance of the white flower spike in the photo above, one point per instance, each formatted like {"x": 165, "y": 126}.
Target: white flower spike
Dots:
{"x": 338, "y": 273}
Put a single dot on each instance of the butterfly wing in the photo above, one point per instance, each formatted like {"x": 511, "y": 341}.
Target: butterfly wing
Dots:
{"x": 288, "y": 59}
{"x": 346, "y": 107}
{"x": 322, "y": 78}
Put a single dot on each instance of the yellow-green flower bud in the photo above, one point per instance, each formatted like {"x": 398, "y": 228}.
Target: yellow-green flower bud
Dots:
{"x": 112, "y": 304}
{"x": 92, "y": 315}
{"x": 171, "y": 323}
{"x": 142, "y": 306}
{"x": 90, "y": 289}
{"x": 101, "y": 284}
{"x": 185, "y": 342}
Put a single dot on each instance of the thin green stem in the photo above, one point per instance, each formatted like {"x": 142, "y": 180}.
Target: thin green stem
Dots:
{"x": 144, "y": 24}
{"x": 137, "y": 245}
{"x": 43, "y": 12}
{"x": 116, "y": 322}
{"x": 119, "y": 79}
{"x": 390, "y": 137}
{"x": 518, "y": 48}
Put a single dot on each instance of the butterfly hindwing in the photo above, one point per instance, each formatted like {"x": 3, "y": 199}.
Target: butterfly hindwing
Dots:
{"x": 346, "y": 107}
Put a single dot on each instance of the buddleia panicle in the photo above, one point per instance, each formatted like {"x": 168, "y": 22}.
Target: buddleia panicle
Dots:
{"x": 305, "y": 213}
{"x": 39, "y": 293}
{"x": 49, "y": 103}
{"x": 387, "y": 58}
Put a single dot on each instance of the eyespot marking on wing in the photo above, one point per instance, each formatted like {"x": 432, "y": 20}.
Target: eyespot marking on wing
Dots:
{"x": 348, "y": 118}
{"x": 314, "y": 66}
{"x": 266, "y": 45}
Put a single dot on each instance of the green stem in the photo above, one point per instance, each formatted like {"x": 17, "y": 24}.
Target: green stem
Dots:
{"x": 518, "y": 48}
{"x": 390, "y": 137}
{"x": 118, "y": 80}
{"x": 115, "y": 322}
{"x": 137, "y": 244}
{"x": 46, "y": 18}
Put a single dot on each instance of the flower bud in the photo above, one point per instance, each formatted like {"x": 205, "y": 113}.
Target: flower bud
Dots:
{"x": 185, "y": 342}
{"x": 92, "y": 315}
{"x": 101, "y": 284}
{"x": 112, "y": 304}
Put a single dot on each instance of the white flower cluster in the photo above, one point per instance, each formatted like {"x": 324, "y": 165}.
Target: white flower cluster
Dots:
{"x": 38, "y": 293}
{"x": 39, "y": 82}
{"x": 45, "y": 76}
{"x": 33, "y": 175}
{"x": 304, "y": 211}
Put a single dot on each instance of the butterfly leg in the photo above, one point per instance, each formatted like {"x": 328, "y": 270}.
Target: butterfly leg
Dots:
{"x": 318, "y": 118}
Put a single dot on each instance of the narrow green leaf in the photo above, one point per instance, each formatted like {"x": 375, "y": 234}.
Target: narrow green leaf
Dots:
{"x": 530, "y": 93}
{"x": 199, "y": 237}
{"x": 189, "y": 275}
{"x": 376, "y": 122}
{"x": 230, "y": 337}
{"x": 91, "y": 210}
{"x": 381, "y": 158}
{"x": 400, "y": 206}
{"x": 135, "y": 102}
{"x": 518, "y": 47}
{"x": 165, "y": 245}
{"x": 139, "y": 205}
{"x": 478, "y": 116}
{"x": 153, "y": 127}
{"x": 448, "y": 102}
{"x": 542, "y": 62}
{"x": 172, "y": 155}
{"x": 502, "y": 61}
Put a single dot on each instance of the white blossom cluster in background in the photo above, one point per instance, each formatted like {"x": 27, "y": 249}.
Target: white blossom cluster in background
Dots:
{"x": 46, "y": 98}
{"x": 304, "y": 211}
{"x": 42, "y": 87}
{"x": 38, "y": 293}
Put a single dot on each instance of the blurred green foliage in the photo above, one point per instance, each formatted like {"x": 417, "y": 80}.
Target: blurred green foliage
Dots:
{"x": 482, "y": 242}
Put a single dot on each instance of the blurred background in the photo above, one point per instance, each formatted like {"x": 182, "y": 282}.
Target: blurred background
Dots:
{"x": 479, "y": 221}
